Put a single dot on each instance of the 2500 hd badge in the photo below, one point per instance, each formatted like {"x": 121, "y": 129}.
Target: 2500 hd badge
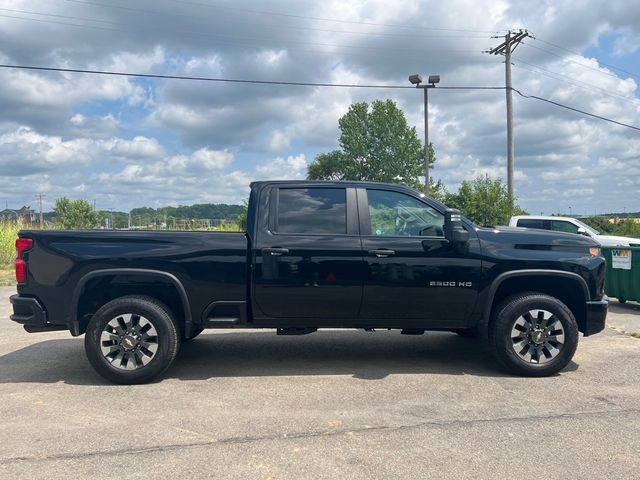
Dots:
{"x": 450, "y": 284}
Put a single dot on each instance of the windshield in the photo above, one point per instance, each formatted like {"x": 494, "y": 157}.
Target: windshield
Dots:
{"x": 588, "y": 228}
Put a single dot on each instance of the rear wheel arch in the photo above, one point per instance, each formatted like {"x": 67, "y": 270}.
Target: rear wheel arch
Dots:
{"x": 568, "y": 287}
{"x": 165, "y": 287}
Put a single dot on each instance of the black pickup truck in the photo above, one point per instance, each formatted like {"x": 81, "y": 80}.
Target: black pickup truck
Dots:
{"x": 315, "y": 255}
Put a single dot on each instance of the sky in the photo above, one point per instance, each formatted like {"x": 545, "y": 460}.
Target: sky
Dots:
{"x": 127, "y": 142}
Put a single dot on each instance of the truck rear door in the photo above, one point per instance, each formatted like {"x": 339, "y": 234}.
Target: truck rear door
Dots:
{"x": 307, "y": 255}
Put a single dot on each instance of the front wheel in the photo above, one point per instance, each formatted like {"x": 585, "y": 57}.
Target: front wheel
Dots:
{"x": 533, "y": 334}
{"x": 131, "y": 339}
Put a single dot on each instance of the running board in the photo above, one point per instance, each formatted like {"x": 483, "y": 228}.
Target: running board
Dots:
{"x": 295, "y": 331}
{"x": 412, "y": 331}
{"x": 222, "y": 321}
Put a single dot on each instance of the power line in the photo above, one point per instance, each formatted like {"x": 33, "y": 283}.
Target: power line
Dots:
{"x": 323, "y": 19}
{"x": 575, "y": 109}
{"x": 289, "y": 27}
{"x": 560, "y": 47}
{"x": 565, "y": 58}
{"x": 204, "y": 79}
{"x": 577, "y": 83}
{"x": 237, "y": 80}
{"x": 237, "y": 41}
{"x": 304, "y": 84}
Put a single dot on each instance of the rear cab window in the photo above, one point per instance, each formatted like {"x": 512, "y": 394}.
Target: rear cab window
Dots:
{"x": 533, "y": 223}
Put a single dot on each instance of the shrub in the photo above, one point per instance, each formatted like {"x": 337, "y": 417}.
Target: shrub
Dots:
{"x": 8, "y": 235}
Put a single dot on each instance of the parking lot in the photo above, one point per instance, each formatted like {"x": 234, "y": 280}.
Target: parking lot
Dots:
{"x": 335, "y": 404}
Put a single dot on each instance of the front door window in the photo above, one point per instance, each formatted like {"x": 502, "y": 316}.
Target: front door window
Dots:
{"x": 395, "y": 214}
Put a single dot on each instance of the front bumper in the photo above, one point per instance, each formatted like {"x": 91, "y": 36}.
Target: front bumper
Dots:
{"x": 596, "y": 316}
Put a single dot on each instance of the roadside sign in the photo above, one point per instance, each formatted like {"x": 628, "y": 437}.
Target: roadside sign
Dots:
{"x": 621, "y": 259}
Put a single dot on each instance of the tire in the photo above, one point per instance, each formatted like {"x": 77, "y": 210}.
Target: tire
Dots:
{"x": 194, "y": 334}
{"x": 132, "y": 339}
{"x": 622, "y": 301}
{"x": 522, "y": 346}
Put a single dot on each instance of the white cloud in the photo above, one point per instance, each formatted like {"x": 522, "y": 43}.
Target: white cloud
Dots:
{"x": 279, "y": 140}
{"x": 292, "y": 167}
{"x": 24, "y": 151}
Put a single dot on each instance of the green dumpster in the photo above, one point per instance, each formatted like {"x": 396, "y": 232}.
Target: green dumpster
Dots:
{"x": 622, "y": 274}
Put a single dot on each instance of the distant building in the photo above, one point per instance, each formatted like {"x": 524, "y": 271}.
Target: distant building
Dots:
{"x": 624, "y": 219}
{"x": 24, "y": 214}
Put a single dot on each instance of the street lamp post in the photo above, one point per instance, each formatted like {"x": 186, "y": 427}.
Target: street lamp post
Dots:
{"x": 417, "y": 80}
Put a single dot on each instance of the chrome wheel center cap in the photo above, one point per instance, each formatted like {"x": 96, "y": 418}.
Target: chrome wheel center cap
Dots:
{"x": 129, "y": 342}
{"x": 538, "y": 337}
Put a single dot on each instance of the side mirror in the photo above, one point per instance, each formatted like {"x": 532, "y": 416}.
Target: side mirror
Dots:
{"x": 454, "y": 231}
{"x": 583, "y": 231}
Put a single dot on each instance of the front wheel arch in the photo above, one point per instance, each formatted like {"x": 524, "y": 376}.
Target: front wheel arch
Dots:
{"x": 568, "y": 287}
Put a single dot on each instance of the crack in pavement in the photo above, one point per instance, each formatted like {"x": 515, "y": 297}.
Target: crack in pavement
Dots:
{"x": 311, "y": 434}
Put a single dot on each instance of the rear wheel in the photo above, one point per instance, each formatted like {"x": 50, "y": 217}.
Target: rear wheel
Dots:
{"x": 622, "y": 300}
{"x": 131, "y": 339}
{"x": 534, "y": 335}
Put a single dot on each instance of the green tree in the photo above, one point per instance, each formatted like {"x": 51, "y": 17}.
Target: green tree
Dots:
{"x": 376, "y": 144}
{"x": 242, "y": 216}
{"x": 74, "y": 214}
{"x": 600, "y": 223}
{"x": 484, "y": 201}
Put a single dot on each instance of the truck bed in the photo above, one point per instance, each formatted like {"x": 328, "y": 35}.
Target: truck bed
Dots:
{"x": 62, "y": 265}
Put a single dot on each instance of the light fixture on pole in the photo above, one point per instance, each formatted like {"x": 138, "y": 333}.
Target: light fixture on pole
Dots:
{"x": 416, "y": 80}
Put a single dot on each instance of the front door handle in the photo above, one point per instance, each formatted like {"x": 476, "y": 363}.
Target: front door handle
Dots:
{"x": 382, "y": 253}
{"x": 275, "y": 251}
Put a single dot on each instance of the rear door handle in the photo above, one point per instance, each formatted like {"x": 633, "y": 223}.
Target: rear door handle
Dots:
{"x": 382, "y": 253}
{"x": 275, "y": 251}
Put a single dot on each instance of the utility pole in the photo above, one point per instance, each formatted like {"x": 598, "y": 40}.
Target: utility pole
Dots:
{"x": 39, "y": 197}
{"x": 511, "y": 40}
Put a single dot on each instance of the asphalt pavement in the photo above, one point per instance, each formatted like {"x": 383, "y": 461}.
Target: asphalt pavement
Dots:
{"x": 334, "y": 404}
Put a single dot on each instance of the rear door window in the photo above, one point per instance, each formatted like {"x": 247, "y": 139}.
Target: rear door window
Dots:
{"x": 563, "y": 226}
{"x": 320, "y": 211}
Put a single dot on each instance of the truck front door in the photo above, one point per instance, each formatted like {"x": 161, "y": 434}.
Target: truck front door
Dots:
{"x": 414, "y": 273}
{"x": 308, "y": 256}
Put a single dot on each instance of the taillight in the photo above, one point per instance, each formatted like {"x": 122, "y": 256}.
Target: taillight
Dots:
{"x": 22, "y": 245}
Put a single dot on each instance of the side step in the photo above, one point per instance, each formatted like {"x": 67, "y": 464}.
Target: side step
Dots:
{"x": 295, "y": 331}
{"x": 222, "y": 321}
{"x": 412, "y": 331}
